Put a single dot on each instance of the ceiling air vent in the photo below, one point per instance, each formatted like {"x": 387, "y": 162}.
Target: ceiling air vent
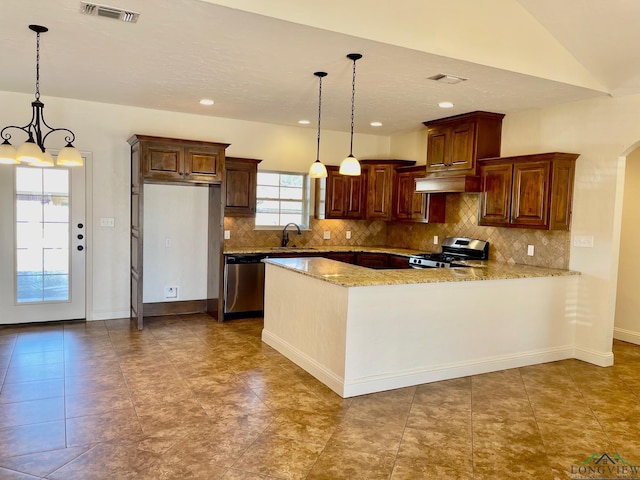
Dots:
{"x": 109, "y": 12}
{"x": 450, "y": 79}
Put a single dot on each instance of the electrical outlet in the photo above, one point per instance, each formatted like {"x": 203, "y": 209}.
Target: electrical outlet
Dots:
{"x": 435, "y": 239}
{"x": 348, "y": 234}
{"x": 530, "y": 250}
{"x": 108, "y": 222}
{"x": 171, "y": 292}
{"x": 167, "y": 242}
{"x": 583, "y": 241}
{"x": 227, "y": 234}
{"x": 326, "y": 235}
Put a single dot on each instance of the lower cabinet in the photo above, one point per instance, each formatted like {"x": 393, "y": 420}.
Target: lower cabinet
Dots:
{"x": 372, "y": 260}
{"x": 528, "y": 191}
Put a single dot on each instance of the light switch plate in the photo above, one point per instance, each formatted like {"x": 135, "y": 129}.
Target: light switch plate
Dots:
{"x": 107, "y": 222}
{"x": 348, "y": 234}
{"x": 530, "y": 249}
{"x": 435, "y": 239}
{"x": 326, "y": 235}
{"x": 227, "y": 234}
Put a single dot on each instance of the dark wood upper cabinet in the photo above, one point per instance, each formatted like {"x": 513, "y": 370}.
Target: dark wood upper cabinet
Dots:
{"x": 409, "y": 206}
{"x": 381, "y": 175}
{"x": 169, "y": 160}
{"x": 527, "y": 191}
{"x": 341, "y": 196}
{"x": 455, "y": 143}
{"x": 240, "y": 186}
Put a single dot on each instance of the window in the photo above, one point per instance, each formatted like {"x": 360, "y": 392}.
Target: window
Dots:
{"x": 281, "y": 198}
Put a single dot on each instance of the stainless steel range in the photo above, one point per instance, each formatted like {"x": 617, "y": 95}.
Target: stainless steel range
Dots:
{"x": 454, "y": 251}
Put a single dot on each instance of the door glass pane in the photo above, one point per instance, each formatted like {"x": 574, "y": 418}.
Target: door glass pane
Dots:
{"x": 42, "y": 235}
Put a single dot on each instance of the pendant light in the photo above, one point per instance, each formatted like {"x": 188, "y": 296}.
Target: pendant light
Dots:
{"x": 33, "y": 150}
{"x": 317, "y": 169}
{"x": 350, "y": 165}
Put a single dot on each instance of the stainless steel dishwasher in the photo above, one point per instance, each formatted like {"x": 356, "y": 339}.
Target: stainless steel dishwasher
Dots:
{"x": 243, "y": 285}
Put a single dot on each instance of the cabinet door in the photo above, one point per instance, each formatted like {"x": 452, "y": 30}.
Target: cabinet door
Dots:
{"x": 240, "y": 183}
{"x": 437, "y": 150}
{"x": 162, "y": 161}
{"x": 335, "y": 194}
{"x": 380, "y": 192}
{"x": 345, "y": 257}
{"x": 530, "y": 198}
{"x": 397, "y": 261}
{"x": 372, "y": 260}
{"x": 403, "y": 196}
{"x": 461, "y": 147}
{"x": 355, "y": 190}
{"x": 495, "y": 199}
{"x": 561, "y": 194}
{"x": 203, "y": 164}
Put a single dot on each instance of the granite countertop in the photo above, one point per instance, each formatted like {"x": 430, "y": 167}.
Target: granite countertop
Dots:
{"x": 320, "y": 249}
{"x": 347, "y": 275}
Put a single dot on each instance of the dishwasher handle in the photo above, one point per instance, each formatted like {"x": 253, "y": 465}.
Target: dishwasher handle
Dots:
{"x": 243, "y": 259}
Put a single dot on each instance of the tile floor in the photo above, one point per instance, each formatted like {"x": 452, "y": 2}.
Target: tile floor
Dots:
{"x": 188, "y": 398}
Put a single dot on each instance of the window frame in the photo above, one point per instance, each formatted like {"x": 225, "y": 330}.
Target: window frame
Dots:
{"x": 306, "y": 199}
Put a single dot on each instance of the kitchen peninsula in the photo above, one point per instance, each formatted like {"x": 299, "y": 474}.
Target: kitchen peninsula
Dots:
{"x": 360, "y": 330}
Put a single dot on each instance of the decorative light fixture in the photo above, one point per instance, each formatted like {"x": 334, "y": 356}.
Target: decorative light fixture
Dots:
{"x": 317, "y": 169}
{"x": 350, "y": 165}
{"x": 33, "y": 150}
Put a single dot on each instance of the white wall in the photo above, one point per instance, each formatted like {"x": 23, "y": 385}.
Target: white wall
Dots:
{"x": 601, "y": 131}
{"x": 175, "y": 242}
{"x": 104, "y": 129}
{"x": 627, "y": 321}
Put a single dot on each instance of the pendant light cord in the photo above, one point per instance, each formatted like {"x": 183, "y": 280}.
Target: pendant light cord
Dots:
{"x": 38, "y": 66}
{"x": 353, "y": 100}
{"x": 319, "y": 116}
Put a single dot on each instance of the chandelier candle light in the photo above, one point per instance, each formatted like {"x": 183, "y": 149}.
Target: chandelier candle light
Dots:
{"x": 33, "y": 150}
{"x": 350, "y": 165}
{"x": 317, "y": 169}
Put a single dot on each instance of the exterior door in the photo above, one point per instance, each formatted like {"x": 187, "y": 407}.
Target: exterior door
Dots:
{"x": 47, "y": 277}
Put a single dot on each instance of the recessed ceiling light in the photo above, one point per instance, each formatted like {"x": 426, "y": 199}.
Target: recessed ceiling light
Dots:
{"x": 445, "y": 105}
{"x": 376, "y": 124}
{"x": 304, "y": 122}
{"x": 206, "y": 101}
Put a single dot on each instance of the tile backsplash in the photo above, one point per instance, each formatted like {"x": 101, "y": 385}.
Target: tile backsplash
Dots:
{"x": 506, "y": 244}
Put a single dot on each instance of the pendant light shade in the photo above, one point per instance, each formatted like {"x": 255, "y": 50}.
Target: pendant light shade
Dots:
{"x": 350, "y": 165}
{"x": 317, "y": 169}
{"x": 29, "y": 152}
{"x": 8, "y": 154}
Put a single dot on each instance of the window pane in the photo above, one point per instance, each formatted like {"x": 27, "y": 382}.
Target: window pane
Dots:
{"x": 268, "y": 206}
{"x": 291, "y": 193}
{"x": 56, "y": 262}
{"x": 28, "y": 208}
{"x": 56, "y": 235}
{"x": 30, "y": 288}
{"x": 267, "y": 192}
{"x": 291, "y": 180}
{"x": 29, "y": 261}
{"x": 267, "y": 178}
{"x": 268, "y": 219}
{"x": 56, "y": 182}
{"x": 291, "y": 207}
{"x": 28, "y": 235}
{"x": 28, "y": 180}
{"x": 56, "y": 287}
{"x": 288, "y": 218}
{"x": 56, "y": 209}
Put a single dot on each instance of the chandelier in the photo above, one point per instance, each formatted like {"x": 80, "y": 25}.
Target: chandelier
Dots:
{"x": 33, "y": 151}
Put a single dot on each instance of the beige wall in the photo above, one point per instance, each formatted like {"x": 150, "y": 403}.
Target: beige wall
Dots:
{"x": 627, "y": 321}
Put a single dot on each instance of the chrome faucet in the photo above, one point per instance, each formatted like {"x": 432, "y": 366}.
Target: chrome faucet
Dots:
{"x": 285, "y": 235}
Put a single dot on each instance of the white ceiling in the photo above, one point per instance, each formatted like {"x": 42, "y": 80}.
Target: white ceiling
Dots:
{"x": 256, "y": 58}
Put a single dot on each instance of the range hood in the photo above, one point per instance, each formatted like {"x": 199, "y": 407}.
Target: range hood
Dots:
{"x": 458, "y": 184}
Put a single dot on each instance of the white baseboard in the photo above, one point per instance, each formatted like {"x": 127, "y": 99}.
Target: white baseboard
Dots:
{"x": 108, "y": 315}
{"x": 378, "y": 383}
{"x": 330, "y": 379}
{"x": 626, "y": 335}
{"x": 596, "y": 358}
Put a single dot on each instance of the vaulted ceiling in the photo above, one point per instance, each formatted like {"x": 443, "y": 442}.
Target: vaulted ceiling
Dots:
{"x": 256, "y": 58}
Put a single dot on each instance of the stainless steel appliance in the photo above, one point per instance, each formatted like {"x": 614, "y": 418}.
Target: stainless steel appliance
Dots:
{"x": 243, "y": 285}
{"x": 454, "y": 251}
